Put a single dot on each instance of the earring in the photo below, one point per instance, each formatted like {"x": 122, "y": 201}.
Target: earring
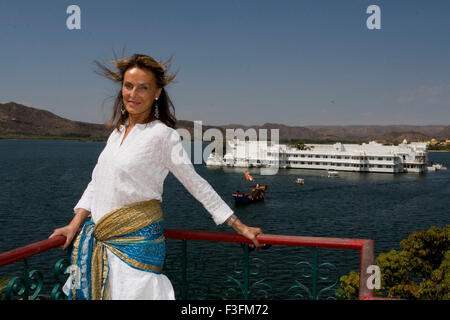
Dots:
{"x": 156, "y": 110}
{"x": 123, "y": 110}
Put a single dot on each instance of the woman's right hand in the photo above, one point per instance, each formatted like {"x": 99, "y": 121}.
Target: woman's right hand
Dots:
{"x": 71, "y": 229}
{"x": 68, "y": 231}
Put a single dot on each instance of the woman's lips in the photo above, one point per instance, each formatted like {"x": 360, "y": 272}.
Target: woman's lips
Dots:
{"x": 133, "y": 103}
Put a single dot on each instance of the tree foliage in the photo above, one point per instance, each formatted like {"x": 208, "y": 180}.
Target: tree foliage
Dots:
{"x": 421, "y": 270}
{"x": 300, "y": 145}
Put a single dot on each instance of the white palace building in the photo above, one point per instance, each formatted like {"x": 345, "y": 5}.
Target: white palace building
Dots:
{"x": 367, "y": 157}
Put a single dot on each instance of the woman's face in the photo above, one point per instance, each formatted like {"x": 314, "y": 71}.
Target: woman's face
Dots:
{"x": 139, "y": 90}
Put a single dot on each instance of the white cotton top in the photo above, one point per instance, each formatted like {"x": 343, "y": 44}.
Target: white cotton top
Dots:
{"x": 135, "y": 171}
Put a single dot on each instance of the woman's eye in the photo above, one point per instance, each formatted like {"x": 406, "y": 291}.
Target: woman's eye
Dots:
{"x": 128, "y": 86}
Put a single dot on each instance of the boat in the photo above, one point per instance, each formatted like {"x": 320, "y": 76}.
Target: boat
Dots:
{"x": 256, "y": 194}
{"x": 333, "y": 174}
{"x": 300, "y": 181}
{"x": 248, "y": 176}
{"x": 438, "y": 166}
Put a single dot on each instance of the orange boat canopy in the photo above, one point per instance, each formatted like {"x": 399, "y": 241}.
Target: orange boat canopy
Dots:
{"x": 248, "y": 176}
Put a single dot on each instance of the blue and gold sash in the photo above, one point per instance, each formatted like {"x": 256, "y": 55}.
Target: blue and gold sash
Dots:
{"x": 134, "y": 233}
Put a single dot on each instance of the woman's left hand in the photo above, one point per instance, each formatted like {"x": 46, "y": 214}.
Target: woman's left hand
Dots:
{"x": 248, "y": 232}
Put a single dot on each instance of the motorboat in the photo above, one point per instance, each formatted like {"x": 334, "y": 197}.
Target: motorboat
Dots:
{"x": 439, "y": 166}
{"x": 333, "y": 174}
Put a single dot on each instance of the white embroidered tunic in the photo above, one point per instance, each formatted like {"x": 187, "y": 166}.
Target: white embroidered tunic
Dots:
{"x": 134, "y": 170}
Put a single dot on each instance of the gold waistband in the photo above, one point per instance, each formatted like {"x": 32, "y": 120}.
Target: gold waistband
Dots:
{"x": 127, "y": 219}
{"x": 116, "y": 223}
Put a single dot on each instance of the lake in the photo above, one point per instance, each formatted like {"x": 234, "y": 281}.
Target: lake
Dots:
{"x": 41, "y": 181}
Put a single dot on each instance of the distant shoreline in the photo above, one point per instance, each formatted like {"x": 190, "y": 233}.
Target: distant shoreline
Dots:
{"x": 45, "y": 137}
{"x": 98, "y": 139}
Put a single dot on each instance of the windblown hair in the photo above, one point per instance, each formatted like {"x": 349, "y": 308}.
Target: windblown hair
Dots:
{"x": 166, "y": 109}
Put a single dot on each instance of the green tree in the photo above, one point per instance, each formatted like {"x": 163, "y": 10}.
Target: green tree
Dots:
{"x": 421, "y": 270}
{"x": 300, "y": 145}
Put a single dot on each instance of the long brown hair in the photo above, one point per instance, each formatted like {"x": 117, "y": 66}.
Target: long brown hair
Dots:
{"x": 166, "y": 109}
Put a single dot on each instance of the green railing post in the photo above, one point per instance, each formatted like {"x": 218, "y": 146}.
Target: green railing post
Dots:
{"x": 26, "y": 280}
{"x": 184, "y": 285}
{"x": 59, "y": 274}
{"x": 25, "y": 287}
{"x": 314, "y": 274}
{"x": 246, "y": 271}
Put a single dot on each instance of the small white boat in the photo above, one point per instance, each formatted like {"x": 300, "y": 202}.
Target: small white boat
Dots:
{"x": 439, "y": 166}
{"x": 300, "y": 181}
{"x": 333, "y": 174}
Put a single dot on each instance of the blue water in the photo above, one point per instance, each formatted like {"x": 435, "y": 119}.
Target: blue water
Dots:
{"x": 41, "y": 181}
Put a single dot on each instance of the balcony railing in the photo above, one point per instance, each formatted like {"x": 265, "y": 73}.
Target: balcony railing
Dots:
{"x": 30, "y": 283}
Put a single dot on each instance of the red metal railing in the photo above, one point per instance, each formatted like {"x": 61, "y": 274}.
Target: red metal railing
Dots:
{"x": 31, "y": 250}
{"x": 366, "y": 248}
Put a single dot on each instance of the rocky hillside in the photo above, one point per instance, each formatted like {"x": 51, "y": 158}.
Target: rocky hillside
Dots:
{"x": 20, "y": 120}
{"x": 17, "y": 119}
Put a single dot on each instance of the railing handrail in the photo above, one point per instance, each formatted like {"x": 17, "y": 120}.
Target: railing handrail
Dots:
{"x": 365, "y": 246}
{"x": 31, "y": 250}
{"x": 318, "y": 242}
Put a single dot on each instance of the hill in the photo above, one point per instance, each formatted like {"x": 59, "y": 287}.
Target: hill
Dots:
{"x": 19, "y": 121}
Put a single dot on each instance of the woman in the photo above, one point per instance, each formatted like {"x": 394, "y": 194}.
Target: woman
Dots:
{"x": 119, "y": 253}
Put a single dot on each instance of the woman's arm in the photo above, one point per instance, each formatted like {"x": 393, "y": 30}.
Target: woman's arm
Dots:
{"x": 85, "y": 201}
{"x": 71, "y": 229}
{"x": 248, "y": 232}
{"x": 82, "y": 210}
{"x": 177, "y": 161}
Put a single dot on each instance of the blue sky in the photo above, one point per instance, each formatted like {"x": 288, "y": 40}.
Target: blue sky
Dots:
{"x": 247, "y": 62}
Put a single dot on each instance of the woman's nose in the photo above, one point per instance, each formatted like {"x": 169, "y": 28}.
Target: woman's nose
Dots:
{"x": 132, "y": 92}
